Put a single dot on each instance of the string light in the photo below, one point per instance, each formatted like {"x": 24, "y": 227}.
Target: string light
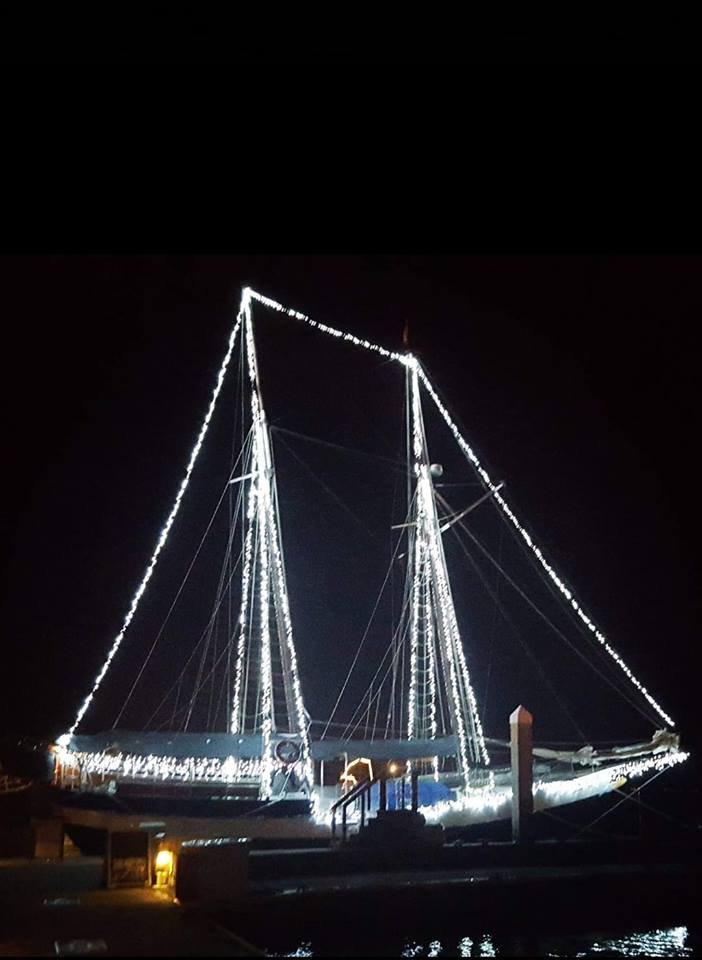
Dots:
{"x": 408, "y": 360}
{"x": 271, "y": 571}
{"x": 183, "y": 769}
{"x": 432, "y": 689}
{"x": 496, "y": 803}
{"x": 163, "y": 536}
{"x": 509, "y": 513}
{"x": 323, "y": 328}
{"x": 261, "y": 505}
{"x": 236, "y": 724}
{"x": 427, "y": 525}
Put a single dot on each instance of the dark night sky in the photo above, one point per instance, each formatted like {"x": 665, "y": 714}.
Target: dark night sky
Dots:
{"x": 575, "y": 378}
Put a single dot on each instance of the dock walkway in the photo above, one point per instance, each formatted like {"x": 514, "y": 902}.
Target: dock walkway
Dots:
{"x": 44, "y": 903}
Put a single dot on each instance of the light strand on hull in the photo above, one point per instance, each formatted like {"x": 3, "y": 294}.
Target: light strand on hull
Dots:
{"x": 496, "y": 802}
{"x": 150, "y": 767}
{"x": 163, "y": 536}
{"x": 406, "y": 361}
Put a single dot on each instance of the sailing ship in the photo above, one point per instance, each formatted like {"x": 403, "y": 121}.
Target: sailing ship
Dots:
{"x": 262, "y": 764}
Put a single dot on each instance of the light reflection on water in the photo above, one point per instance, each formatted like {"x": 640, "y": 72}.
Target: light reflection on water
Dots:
{"x": 662, "y": 942}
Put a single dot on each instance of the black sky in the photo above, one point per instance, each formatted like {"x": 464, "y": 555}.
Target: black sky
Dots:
{"x": 575, "y": 377}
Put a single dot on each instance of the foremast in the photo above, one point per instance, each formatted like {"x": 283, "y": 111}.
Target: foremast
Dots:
{"x": 265, "y": 632}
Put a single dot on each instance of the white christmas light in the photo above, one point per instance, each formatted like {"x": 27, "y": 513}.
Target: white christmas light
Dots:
{"x": 428, "y": 526}
{"x": 432, "y": 688}
{"x": 130, "y": 766}
{"x": 465, "y": 447}
{"x": 262, "y": 511}
{"x": 163, "y": 536}
{"x": 408, "y": 360}
{"x": 236, "y": 725}
{"x": 332, "y": 331}
{"x": 496, "y": 803}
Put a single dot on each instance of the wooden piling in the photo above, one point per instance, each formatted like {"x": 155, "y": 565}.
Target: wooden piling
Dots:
{"x": 520, "y": 729}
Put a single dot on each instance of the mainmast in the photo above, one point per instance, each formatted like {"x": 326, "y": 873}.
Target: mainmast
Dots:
{"x": 438, "y": 669}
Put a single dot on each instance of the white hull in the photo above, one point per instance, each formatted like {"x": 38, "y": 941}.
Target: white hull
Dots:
{"x": 204, "y": 828}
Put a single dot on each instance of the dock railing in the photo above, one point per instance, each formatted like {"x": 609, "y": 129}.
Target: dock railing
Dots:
{"x": 361, "y": 794}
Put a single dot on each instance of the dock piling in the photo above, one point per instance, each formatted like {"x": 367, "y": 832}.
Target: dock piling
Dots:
{"x": 520, "y": 729}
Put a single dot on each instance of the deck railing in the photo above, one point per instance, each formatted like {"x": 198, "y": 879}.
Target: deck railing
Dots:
{"x": 361, "y": 795}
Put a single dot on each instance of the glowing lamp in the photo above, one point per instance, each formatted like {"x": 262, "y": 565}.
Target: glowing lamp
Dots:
{"x": 164, "y": 861}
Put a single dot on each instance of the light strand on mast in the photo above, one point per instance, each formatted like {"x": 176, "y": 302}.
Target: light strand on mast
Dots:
{"x": 267, "y": 721}
{"x": 236, "y": 724}
{"x": 272, "y": 566}
{"x": 407, "y": 361}
{"x": 432, "y": 677}
{"x": 163, "y": 536}
{"x": 427, "y": 526}
{"x": 279, "y": 571}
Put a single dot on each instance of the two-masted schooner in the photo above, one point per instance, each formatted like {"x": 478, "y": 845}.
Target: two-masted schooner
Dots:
{"x": 262, "y": 763}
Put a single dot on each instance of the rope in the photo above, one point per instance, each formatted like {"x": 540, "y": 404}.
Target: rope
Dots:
{"x": 521, "y": 640}
{"x": 187, "y": 662}
{"x": 377, "y": 694}
{"x": 543, "y": 616}
{"x": 176, "y": 598}
{"x": 390, "y": 648}
{"x": 397, "y": 464}
{"x": 492, "y": 630}
{"x": 627, "y": 796}
{"x": 600, "y": 653}
{"x": 327, "y": 489}
{"x": 363, "y": 640}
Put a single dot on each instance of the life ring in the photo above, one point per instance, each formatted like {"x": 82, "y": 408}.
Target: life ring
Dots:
{"x": 287, "y": 751}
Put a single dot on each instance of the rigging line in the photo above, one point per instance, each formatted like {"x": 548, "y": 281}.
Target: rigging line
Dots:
{"x": 165, "y": 530}
{"x": 468, "y": 452}
{"x": 175, "y": 706}
{"x": 395, "y": 486}
{"x": 363, "y": 638}
{"x": 602, "y": 657}
{"x": 219, "y": 597}
{"x": 223, "y": 685}
{"x": 188, "y": 661}
{"x": 321, "y": 723}
{"x": 238, "y": 429}
{"x": 493, "y": 626}
{"x": 521, "y": 640}
{"x": 212, "y": 631}
{"x": 394, "y": 641}
{"x": 375, "y": 718}
{"x": 397, "y": 464}
{"x": 647, "y": 806}
{"x": 391, "y": 648}
{"x": 568, "y": 823}
{"x": 377, "y": 693}
{"x": 204, "y": 682}
{"x": 470, "y": 455}
{"x": 550, "y": 623}
{"x": 328, "y": 490}
{"x": 627, "y": 796}
{"x": 176, "y": 598}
